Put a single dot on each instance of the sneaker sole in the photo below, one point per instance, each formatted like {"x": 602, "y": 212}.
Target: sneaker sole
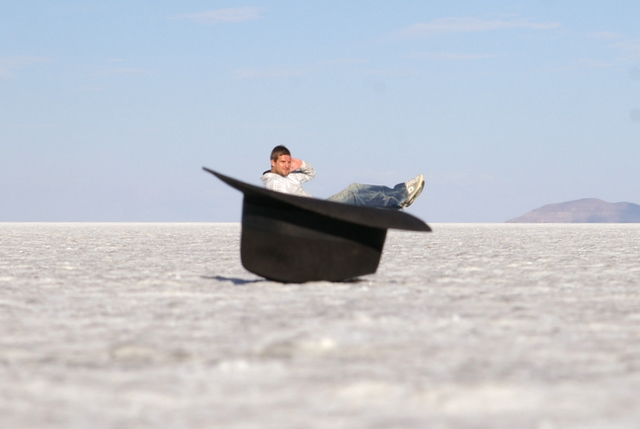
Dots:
{"x": 413, "y": 197}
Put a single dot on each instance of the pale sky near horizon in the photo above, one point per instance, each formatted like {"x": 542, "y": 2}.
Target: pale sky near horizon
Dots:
{"x": 109, "y": 109}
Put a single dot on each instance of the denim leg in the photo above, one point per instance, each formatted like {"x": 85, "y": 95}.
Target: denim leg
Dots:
{"x": 372, "y": 195}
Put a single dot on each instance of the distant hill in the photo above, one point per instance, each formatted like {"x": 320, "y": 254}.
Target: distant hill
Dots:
{"x": 587, "y": 210}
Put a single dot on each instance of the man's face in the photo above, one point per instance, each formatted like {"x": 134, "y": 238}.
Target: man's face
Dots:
{"x": 282, "y": 165}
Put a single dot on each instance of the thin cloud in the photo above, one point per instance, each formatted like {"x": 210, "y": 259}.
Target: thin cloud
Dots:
{"x": 275, "y": 73}
{"x": 124, "y": 71}
{"x": 220, "y": 16}
{"x": 628, "y": 49}
{"x": 9, "y": 65}
{"x": 400, "y": 71}
{"x": 584, "y": 64}
{"x": 343, "y": 61}
{"x": 472, "y": 25}
{"x": 448, "y": 56}
{"x": 631, "y": 48}
{"x": 607, "y": 35}
{"x": 249, "y": 73}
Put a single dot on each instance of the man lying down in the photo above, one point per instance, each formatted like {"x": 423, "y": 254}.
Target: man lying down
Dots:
{"x": 287, "y": 175}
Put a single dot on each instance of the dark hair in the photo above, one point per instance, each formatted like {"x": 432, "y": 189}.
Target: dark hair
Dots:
{"x": 278, "y": 151}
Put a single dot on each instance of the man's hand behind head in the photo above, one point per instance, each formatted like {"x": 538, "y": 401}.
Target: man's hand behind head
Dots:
{"x": 295, "y": 164}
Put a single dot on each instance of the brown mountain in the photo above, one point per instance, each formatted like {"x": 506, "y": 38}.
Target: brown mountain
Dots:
{"x": 587, "y": 210}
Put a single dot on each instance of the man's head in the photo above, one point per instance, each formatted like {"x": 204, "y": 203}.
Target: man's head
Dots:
{"x": 281, "y": 161}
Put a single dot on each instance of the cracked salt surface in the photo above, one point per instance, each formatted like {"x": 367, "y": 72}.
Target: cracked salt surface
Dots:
{"x": 471, "y": 326}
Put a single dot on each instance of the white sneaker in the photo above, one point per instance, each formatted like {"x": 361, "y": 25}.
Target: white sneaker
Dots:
{"x": 414, "y": 188}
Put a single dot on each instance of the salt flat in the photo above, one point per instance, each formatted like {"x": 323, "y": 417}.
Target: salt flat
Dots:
{"x": 471, "y": 326}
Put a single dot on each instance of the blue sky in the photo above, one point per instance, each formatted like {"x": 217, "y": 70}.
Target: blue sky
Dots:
{"x": 109, "y": 109}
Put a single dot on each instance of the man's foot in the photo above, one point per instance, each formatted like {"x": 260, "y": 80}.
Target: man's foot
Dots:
{"x": 414, "y": 188}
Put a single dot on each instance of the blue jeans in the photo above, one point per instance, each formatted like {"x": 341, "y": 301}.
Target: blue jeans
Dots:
{"x": 372, "y": 196}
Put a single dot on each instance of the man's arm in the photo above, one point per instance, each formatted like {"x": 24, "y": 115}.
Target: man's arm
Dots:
{"x": 295, "y": 163}
{"x": 305, "y": 172}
